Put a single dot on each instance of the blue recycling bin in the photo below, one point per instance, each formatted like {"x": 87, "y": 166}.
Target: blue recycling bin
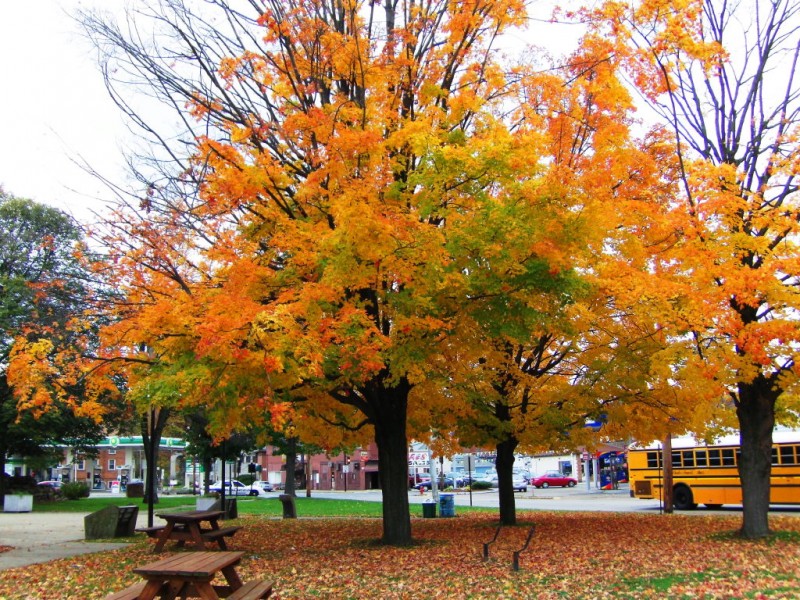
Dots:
{"x": 447, "y": 505}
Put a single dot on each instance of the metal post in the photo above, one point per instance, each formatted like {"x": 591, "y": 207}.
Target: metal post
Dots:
{"x": 586, "y": 462}
{"x": 469, "y": 474}
{"x": 434, "y": 479}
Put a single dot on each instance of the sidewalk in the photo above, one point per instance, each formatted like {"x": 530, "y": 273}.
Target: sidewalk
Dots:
{"x": 42, "y": 537}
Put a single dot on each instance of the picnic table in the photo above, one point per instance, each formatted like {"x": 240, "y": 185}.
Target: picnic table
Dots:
{"x": 189, "y": 575}
{"x": 189, "y": 526}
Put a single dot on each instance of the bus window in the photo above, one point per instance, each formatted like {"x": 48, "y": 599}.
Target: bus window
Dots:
{"x": 774, "y": 455}
{"x": 727, "y": 457}
{"x": 676, "y": 459}
{"x": 714, "y": 457}
{"x": 652, "y": 460}
{"x": 688, "y": 458}
{"x": 701, "y": 458}
{"x": 788, "y": 454}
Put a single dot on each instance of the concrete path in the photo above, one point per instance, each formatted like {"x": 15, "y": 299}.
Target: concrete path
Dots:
{"x": 42, "y": 537}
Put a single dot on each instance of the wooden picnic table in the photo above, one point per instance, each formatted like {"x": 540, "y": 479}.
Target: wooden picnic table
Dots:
{"x": 189, "y": 527}
{"x": 189, "y": 575}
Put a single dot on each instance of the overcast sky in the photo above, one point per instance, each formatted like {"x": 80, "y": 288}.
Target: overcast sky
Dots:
{"x": 54, "y": 110}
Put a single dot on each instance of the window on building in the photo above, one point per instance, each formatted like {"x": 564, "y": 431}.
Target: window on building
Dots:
{"x": 112, "y": 464}
{"x": 81, "y": 464}
{"x": 112, "y": 451}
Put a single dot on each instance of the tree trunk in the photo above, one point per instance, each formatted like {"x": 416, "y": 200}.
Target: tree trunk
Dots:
{"x": 504, "y": 464}
{"x": 756, "y": 412}
{"x": 2, "y": 472}
{"x": 152, "y": 428}
{"x": 666, "y": 463}
{"x": 390, "y": 409}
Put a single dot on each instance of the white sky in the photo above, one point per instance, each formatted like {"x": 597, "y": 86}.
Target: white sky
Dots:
{"x": 54, "y": 109}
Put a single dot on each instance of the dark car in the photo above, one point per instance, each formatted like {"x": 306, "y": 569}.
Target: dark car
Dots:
{"x": 415, "y": 480}
{"x": 445, "y": 483}
{"x": 552, "y": 479}
{"x": 51, "y": 485}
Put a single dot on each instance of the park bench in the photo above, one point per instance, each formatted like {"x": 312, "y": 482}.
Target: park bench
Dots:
{"x": 219, "y": 535}
{"x": 151, "y": 531}
{"x": 129, "y": 593}
{"x": 195, "y": 574}
{"x": 111, "y": 522}
{"x": 516, "y": 553}
{"x": 253, "y": 590}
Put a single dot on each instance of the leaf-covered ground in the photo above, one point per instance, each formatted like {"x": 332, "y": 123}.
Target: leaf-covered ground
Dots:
{"x": 573, "y": 555}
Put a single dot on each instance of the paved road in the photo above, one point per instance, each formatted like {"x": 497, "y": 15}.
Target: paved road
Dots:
{"x": 577, "y": 498}
{"x": 42, "y": 537}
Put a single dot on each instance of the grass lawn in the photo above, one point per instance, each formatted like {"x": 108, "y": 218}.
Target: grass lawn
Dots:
{"x": 573, "y": 556}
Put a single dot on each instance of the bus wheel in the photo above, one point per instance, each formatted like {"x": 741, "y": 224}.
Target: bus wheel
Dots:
{"x": 682, "y": 498}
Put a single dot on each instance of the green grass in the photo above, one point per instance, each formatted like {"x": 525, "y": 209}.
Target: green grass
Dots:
{"x": 306, "y": 507}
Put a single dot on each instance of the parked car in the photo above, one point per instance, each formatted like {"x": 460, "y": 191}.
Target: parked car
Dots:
{"x": 489, "y": 477}
{"x": 53, "y": 485}
{"x": 519, "y": 482}
{"x": 264, "y": 485}
{"x": 442, "y": 483}
{"x": 237, "y": 488}
{"x": 415, "y": 479}
{"x": 459, "y": 478}
{"x": 553, "y": 478}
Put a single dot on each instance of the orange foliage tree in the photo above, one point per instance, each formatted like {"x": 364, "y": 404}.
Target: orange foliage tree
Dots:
{"x": 306, "y": 254}
{"x": 531, "y": 366}
{"x": 723, "y": 78}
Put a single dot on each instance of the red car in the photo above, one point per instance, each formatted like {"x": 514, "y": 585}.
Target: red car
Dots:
{"x": 553, "y": 478}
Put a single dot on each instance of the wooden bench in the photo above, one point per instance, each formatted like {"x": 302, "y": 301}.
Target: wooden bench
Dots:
{"x": 129, "y": 593}
{"x": 151, "y": 531}
{"x": 219, "y": 535}
{"x": 253, "y": 590}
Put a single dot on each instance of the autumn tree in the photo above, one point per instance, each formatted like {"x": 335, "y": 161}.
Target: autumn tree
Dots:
{"x": 722, "y": 76}
{"x": 339, "y": 155}
{"x": 537, "y": 361}
{"x": 43, "y": 288}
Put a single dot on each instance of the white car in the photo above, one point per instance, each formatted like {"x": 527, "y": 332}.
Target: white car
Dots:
{"x": 237, "y": 488}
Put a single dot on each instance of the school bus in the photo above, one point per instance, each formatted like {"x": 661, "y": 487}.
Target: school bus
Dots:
{"x": 708, "y": 474}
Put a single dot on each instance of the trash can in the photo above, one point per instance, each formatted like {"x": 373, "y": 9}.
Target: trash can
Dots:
{"x": 429, "y": 510}
{"x": 135, "y": 489}
{"x": 231, "y": 510}
{"x": 447, "y": 505}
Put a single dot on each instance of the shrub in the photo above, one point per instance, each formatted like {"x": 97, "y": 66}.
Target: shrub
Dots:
{"x": 481, "y": 485}
{"x": 247, "y": 478}
{"x": 74, "y": 490}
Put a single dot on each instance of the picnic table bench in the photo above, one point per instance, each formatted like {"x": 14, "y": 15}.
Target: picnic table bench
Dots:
{"x": 189, "y": 575}
{"x": 188, "y": 527}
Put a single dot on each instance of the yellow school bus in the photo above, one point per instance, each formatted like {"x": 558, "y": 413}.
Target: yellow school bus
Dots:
{"x": 707, "y": 473}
